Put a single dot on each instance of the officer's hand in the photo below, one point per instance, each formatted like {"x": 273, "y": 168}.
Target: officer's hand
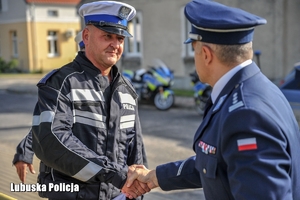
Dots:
{"x": 143, "y": 175}
{"x": 136, "y": 188}
{"x": 21, "y": 168}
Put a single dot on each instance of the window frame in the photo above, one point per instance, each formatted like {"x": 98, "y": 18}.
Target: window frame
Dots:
{"x": 14, "y": 44}
{"x": 52, "y": 13}
{"x": 186, "y": 26}
{"x": 136, "y": 40}
{"x": 52, "y": 44}
{"x": 3, "y": 5}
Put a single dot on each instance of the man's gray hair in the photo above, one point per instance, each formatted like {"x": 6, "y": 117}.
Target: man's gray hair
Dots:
{"x": 232, "y": 54}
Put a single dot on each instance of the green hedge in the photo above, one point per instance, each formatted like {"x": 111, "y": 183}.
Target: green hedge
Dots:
{"x": 9, "y": 67}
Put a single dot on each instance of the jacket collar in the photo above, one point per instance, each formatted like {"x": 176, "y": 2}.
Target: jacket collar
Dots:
{"x": 88, "y": 66}
{"x": 242, "y": 75}
{"x": 220, "y": 84}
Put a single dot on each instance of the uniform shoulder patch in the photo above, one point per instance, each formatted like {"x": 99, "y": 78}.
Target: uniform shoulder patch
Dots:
{"x": 220, "y": 102}
{"x": 47, "y": 76}
{"x": 237, "y": 99}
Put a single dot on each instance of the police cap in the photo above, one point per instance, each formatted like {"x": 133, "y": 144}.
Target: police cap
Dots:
{"x": 216, "y": 23}
{"x": 109, "y": 16}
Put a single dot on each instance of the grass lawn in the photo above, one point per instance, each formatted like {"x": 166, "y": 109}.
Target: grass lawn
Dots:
{"x": 20, "y": 75}
{"x": 184, "y": 93}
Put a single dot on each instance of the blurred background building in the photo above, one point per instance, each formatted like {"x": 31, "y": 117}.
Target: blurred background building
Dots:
{"x": 40, "y": 34}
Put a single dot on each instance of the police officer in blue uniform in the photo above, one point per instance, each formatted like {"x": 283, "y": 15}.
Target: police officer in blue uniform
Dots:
{"x": 247, "y": 144}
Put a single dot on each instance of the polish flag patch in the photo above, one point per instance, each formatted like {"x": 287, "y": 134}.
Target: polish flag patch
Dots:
{"x": 247, "y": 144}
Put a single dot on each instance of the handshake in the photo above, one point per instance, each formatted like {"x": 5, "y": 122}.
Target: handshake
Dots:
{"x": 140, "y": 180}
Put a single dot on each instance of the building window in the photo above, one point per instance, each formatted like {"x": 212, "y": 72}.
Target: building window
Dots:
{"x": 14, "y": 42}
{"x": 52, "y": 13}
{"x": 3, "y": 5}
{"x": 52, "y": 44}
{"x": 132, "y": 46}
{"x": 188, "y": 50}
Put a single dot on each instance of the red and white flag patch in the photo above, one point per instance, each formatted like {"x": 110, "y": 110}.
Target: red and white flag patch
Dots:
{"x": 247, "y": 144}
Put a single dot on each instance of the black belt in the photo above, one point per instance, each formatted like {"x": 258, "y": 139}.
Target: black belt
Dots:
{"x": 44, "y": 168}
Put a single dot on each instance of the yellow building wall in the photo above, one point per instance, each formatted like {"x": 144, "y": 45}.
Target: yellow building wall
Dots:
{"x": 67, "y": 48}
{"x": 33, "y": 45}
{"x": 22, "y": 41}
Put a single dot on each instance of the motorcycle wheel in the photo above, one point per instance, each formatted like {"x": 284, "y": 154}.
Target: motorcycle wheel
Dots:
{"x": 200, "y": 105}
{"x": 162, "y": 103}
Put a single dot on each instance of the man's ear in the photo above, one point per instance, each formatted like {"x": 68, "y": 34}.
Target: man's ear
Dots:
{"x": 85, "y": 35}
{"x": 207, "y": 54}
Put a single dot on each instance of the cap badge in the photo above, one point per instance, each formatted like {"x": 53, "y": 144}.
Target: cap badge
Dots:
{"x": 124, "y": 12}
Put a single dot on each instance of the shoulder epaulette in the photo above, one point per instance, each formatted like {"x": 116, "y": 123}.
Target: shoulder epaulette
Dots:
{"x": 47, "y": 76}
{"x": 237, "y": 99}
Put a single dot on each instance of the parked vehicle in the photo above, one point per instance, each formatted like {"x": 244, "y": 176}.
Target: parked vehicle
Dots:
{"x": 202, "y": 92}
{"x": 154, "y": 84}
{"x": 290, "y": 87}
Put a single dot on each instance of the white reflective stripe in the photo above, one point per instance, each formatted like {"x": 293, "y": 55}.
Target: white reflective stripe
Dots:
{"x": 222, "y": 30}
{"x": 90, "y": 122}
{"x": 127, "y": 118}
{"x": 127, "y": 125}
{"x": 86, "y": 173}
{"x": 90, "y": 115}
{"x": 46, "y": 116}
{"x": 127, "y": 121}
{"x": 35, "y": 120}
{"x": 126, "y": 98}
{"x": 86, "y": 95}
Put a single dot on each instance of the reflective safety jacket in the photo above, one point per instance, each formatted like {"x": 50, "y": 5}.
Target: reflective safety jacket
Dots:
{"x": 86, "y": 130}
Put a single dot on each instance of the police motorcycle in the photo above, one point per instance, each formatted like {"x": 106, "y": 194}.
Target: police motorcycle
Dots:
{"x": 153, "y": 84}
{"x": 202, "y": 92}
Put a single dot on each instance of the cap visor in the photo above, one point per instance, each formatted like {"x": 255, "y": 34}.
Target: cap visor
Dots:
{"x": 114, "y": 30}
{"x": 189, "y": 41}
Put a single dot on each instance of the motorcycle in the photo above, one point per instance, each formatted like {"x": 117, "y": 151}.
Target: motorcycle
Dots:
{"x": 202, "y": 92}
{"x": 153, "y": 84}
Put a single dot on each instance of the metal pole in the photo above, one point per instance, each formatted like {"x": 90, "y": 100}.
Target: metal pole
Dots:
{"x": 257, "y": 54}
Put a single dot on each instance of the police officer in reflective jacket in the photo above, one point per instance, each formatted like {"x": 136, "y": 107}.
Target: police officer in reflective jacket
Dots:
{"x": 23, "y": 157}
{"x": 247, "y": 144}
{"x": 86, "y": 129}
